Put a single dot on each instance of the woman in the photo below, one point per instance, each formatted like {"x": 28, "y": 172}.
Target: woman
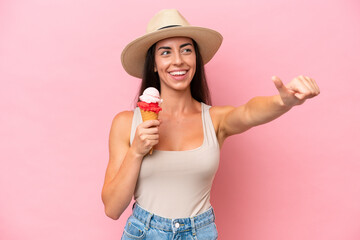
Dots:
{"x": 172, "y": 186}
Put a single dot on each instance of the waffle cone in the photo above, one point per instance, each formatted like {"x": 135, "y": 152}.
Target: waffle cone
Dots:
{"x": 148, "y": 115}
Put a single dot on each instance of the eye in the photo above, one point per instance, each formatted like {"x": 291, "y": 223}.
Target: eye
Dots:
{"x": 165, "y": 52}
{"x": 187, "y": 50}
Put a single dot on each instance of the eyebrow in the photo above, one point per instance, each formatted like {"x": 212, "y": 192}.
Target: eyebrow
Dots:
{"x": 181, "y": 46}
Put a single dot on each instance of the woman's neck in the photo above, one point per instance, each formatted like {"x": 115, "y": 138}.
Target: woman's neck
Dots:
{"x": 178, "y": 102}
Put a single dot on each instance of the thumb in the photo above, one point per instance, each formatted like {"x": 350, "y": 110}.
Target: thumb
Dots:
{"x": 279, "y": 84}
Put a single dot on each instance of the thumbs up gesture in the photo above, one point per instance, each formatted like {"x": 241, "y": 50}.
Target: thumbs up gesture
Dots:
{"x": 297, "y": 91}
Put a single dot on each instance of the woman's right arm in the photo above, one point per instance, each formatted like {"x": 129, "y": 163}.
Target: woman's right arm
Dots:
{"x": 125, "y": 161}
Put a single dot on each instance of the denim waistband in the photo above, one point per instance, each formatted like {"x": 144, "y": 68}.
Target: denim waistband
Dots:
{"x": 175, "y": 224}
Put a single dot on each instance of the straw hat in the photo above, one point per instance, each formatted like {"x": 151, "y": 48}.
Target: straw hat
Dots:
{"x": 165, "y": 24}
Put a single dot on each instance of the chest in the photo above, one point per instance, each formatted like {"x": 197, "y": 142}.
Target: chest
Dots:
{"x": 180, "y": 134}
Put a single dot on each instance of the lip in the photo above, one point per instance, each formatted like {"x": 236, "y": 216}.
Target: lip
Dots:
{"x": 179, "y": 78}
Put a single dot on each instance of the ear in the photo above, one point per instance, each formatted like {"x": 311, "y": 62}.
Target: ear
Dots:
{"x": 155, "y": 69}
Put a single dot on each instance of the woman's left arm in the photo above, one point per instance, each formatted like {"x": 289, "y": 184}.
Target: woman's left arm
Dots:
{"x": 260, "y": 110}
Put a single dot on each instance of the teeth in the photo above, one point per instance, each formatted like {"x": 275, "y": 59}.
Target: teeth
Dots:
{"x": 178, "y": 73}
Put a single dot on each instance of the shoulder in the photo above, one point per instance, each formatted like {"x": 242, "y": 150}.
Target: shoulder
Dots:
{"x": 221, "y": 110}
{"x": 218, "y": 113}
{"x": 123, "y": 117}
{"x": 121, "y": 123}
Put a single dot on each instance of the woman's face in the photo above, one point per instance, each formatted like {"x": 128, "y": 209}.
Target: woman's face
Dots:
{"x": 175, "y": 62}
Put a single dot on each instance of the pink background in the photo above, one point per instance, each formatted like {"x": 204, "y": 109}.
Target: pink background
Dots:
{"x": 62, "y": 83}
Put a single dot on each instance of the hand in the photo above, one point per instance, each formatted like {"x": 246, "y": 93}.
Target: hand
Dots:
{"x": 146, "y": 136}
{"x": 297, "y": 91}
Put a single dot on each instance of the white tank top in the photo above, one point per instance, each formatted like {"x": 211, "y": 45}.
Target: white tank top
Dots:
{"x": 177, "y": 184}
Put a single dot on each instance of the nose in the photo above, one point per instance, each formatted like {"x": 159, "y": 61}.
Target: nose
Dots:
{"x": 178, "y": 60}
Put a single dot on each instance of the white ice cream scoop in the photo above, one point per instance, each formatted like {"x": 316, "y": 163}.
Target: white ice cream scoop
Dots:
{"x": 151, "y": 95}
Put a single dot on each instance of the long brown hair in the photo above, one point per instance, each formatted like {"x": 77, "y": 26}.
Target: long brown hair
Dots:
{"x": 198, "y": 86}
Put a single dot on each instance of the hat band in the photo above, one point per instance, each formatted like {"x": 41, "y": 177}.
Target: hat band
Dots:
{"x": 169, "y": 26}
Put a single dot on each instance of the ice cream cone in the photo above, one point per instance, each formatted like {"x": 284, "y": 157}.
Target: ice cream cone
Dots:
{"x": 149, "y": 105}
{"x": 148, "y": 115}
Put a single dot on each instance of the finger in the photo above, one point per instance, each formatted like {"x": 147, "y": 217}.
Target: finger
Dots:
{"x": 279, "y": 84}
{"x": 312, "y": 84}
{"x": 151, "y": 143}
{"x": 151, "y": 123}
{"x": 298, "y": 86}
{"x": 311, "y": 81}
{"x": 316, "y": 87}
{"x": 146, "y": 138}
{"x": 151, "y": 130}
{"x": 300, "y": 96}
{"x": 143, "y": 132}
{"x": 151, "y": 137}
{"x": 310, "y": 87}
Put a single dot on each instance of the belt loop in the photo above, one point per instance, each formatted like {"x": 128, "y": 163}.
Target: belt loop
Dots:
{"x": 147, "y": 224}
{"x": 193, "y": 226}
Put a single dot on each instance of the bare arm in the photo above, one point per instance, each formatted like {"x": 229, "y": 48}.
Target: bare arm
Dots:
{"x": 125, "y": 161}
{"x": 260, "y": 110}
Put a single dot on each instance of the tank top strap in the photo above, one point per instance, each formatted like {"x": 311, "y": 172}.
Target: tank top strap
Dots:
{"x": 137, "y": 119}
{"x": 209, "y": 130}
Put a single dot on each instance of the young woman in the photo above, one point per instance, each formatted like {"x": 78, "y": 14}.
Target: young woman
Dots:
{"x": 172, "y": 186}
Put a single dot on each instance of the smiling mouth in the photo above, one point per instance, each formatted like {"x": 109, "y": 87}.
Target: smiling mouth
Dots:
{"x": 178, "y": 73}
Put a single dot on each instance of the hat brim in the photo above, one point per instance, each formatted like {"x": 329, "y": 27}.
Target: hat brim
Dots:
{"x": 134, "y": 54}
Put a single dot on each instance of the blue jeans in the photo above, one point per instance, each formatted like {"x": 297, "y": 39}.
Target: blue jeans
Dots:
{"x": 145, "y": 225}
